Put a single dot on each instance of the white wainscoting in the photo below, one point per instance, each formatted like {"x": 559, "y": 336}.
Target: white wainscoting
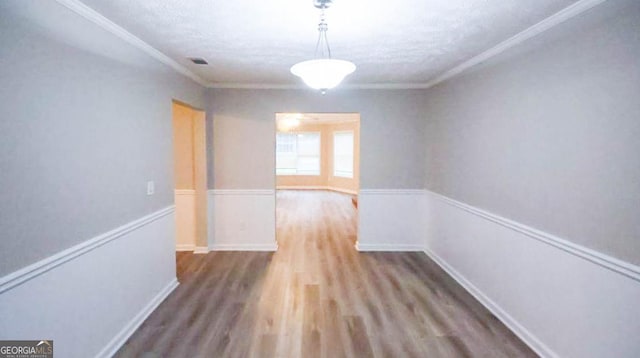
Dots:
{"x": 390, "y": 220}
{"x": 564, "y": 300}
{"x": 185, "y": 200}
{"x": 242, "y": 219}
{"x": 91, "y": 297}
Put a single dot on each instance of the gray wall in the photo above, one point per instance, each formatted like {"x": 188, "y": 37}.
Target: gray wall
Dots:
{"x": 85, "y": 123}
{"x": 243, "y": 122}
{"x": 548, "y": 134}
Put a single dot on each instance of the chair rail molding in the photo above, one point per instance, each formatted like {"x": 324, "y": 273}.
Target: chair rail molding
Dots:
{"x": 27, "y": 273}
{"x": 611, "y": 263}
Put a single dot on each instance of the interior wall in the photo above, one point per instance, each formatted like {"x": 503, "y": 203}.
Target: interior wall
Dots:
{"x": 391, "y": 128}
{"x": 326, "y": 179}
{"x": 546, "y": 134}
{"x": 86, "y": 122}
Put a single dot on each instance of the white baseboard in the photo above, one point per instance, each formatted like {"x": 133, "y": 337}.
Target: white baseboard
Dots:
{"x": 561, "y": 299}
{"x": 185, "y": 203}
{"x": 548, "y": 290}
{"x": 200, "y": 250}
{"x": 317, "y": 187}
{"x": 121, "y": 338}
{"x": 242, "y": 219}
{"x": 248, "y": 247}
{"x": 342, "y": 190}
{"x": 532, "y": 341}
{"x": 84, "y": 298}
{"x": 185, "y": 247}
{"x": 388, "y": 247}
{"x": 301, "y": 187}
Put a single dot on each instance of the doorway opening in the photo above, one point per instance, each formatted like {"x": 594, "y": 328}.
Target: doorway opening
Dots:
{"x": 190, "y": 177}
{"x": 317, "y": 176}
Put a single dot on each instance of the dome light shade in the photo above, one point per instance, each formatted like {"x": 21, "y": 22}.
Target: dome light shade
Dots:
{"x": 324, "y": 73}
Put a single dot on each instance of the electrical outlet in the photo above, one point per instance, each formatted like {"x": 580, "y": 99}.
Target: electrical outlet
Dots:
{"x": 151, "y": 188}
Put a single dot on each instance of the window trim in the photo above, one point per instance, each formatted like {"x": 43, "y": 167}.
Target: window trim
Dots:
{"x": 296, "y": 133}
{"x": 353, "y": 154}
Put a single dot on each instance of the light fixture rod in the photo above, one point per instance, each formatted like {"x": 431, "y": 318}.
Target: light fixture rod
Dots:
{"x": 323, "y": 73}
{"x": 323, "y": 41}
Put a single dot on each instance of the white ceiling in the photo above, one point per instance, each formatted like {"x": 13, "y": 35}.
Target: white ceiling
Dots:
{"x": 392, "y": 42}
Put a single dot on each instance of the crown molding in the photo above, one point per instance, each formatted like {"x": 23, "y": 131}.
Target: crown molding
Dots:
{"x": 383, "y": 86}
{"x": 108, "y": 25}
{"x": 561, "y": 16}
{"x": 234, "y": 85}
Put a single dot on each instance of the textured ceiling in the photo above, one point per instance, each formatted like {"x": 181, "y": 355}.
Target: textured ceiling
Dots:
{"x": 391, "y": 42}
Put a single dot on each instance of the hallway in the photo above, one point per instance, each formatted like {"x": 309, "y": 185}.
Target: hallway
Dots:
{"x": 318, "y": 297}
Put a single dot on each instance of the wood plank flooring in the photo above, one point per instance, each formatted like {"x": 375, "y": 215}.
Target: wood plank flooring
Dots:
{"x": 318, "y": 297}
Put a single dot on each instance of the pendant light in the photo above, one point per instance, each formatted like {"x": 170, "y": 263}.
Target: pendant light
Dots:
{"x": 323, "y": 72}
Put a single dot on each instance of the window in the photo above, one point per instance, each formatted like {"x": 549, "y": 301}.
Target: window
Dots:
{"x": 298, "y": 153}
{"x": 343, "y": 154}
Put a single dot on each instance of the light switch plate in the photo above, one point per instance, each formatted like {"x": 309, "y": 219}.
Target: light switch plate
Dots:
{"x": 151, "y": 188}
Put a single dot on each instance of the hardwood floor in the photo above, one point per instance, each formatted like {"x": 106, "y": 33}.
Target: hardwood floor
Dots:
{"x": 318, "y": 297}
